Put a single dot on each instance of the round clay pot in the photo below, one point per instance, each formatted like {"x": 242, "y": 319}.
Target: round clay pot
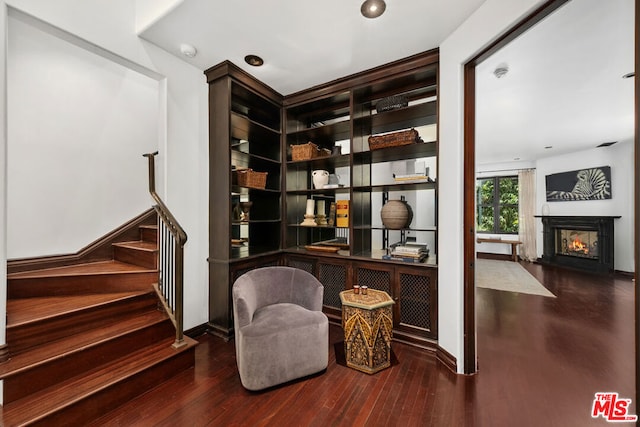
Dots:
{"x": 396, "y": 214}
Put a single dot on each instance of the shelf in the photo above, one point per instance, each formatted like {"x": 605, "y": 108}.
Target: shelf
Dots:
{"x": 324, "y": 136}
{"x": 242, "y": 127}
{"x": 413, "y": 116}
{"x": 259, "y": 110}
{"x": 319, "y": 192}
{"x": 244, "y": 252}
{"x": 391, "y": 154}
{"x": 237, "y": 190}
{"x": 311, "y": 227}
{"x": 380, "y": 227}
{"x": 430, "y": 262}
{"x": 328, "y": 162}
{"x": 251, "y": 156}
{"x": 397, "y": 187}
{"x": 255, "y": 221}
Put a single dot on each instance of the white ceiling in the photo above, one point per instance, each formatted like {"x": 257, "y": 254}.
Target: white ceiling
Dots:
{"x": 306, "y": 43}
{"x": 564, "y": 87}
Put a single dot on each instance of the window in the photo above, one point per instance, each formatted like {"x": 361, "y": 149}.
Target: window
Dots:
{"x": 497, "y": 205}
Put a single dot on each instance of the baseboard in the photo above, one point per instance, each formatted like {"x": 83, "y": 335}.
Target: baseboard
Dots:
{"x": 196, "y": 331}
{"x": 225, "y": 334}
{"x": 447, "y": 359}
{"x": 99, "y": 250}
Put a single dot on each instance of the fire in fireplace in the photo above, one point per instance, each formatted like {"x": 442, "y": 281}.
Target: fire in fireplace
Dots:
{"x": 581, "y": 242}
{"x": 578, "y": 243}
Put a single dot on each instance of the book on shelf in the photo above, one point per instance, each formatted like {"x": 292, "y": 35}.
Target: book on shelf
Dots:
{"x": 342, "y": 213}
{"x": 411, "y": 178}
{"x": 405, "y": 258}
{"x": 408, "y": 252}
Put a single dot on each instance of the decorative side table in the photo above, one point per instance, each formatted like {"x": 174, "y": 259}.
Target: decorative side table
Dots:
{"x": 367, "y": 321}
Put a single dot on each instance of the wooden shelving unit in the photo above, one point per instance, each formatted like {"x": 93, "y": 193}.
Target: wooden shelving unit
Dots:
{"x": 340, "y": 113}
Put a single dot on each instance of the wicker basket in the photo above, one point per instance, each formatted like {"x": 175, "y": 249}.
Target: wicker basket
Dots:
{"x": 394, "y": 139}
{"x": 307, "y": 151}
{"x": 252, "y": 179}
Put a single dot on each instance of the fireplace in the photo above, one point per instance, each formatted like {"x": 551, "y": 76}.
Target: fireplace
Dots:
{"x": 581, "y": 242}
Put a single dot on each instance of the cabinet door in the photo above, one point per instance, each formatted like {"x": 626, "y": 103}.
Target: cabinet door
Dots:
{"x": 334, "y": 274}
{"x": 417, "y": 300}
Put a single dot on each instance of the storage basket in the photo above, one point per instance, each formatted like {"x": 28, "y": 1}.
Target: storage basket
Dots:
{"x": 307, "y": 151}
{"x": 251, "y": 178}
{"x": 394, "y": 139}
{"x": 391, "y": 103}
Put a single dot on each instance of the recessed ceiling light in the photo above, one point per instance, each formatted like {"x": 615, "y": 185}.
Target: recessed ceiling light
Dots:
{"x": 188, "y": 50}
{"x": 629, "y": 75}
{"x": 373, "y": 8}
{"x": 253, "y": 60}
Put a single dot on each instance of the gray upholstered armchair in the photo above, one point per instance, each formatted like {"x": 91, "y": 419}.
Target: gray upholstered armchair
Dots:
{"x": 280, "y": 331}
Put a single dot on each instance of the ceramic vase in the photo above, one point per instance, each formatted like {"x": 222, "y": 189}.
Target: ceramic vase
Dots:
{"x": 320, "y": 178}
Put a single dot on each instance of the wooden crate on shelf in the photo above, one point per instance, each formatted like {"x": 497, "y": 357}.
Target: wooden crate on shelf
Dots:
{"x": 394, "y": 139}
{"x": 252, "y": 179}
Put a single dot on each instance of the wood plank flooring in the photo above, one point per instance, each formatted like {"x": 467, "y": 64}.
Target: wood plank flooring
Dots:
{"x": 541, "y": 360}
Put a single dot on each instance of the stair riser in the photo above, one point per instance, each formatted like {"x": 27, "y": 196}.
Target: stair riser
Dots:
{"x": 48, "y": 374}
{"x": 143, "y": 258}
{"x": 77, "y": 285}
{"x": 149, "y": 235}
{"x": 24, "y": 337}
{"x": 106, "y": 399}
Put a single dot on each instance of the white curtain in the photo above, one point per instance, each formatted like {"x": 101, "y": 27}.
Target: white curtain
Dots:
{"x": 526, "y": 221}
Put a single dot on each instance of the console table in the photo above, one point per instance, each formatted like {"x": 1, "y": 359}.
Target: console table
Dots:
{"x": 513, "y": 243}
{"x": 367, "y": 321}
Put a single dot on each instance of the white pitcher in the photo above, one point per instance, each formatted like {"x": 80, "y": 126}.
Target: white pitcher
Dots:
{"x": 320, "y": 178}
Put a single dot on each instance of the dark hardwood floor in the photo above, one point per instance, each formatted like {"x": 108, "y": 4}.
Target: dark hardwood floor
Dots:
{"x": 540, "y": 362}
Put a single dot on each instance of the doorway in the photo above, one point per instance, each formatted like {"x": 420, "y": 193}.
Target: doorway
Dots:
{"x": 470, "y": 174}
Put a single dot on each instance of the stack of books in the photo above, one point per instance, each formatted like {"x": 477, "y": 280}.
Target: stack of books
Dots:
{"x": 408, "y": 252}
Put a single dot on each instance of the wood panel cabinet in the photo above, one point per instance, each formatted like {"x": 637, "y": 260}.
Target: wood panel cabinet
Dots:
{"x": 413, "y": 290}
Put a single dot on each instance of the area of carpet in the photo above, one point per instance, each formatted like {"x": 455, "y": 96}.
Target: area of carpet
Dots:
{"x": 508, "y": 276}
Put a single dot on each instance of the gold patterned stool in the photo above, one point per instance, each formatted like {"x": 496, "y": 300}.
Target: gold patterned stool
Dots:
{"x": 367, "y": 321}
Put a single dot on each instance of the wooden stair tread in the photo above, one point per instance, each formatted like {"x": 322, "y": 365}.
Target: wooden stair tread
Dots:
{"x": 41, "y": 404}
{"x": 139, "y": 245}
{"x": 79, "y": 341}
{"x": 25, "y": 310}
{"x": 100, "y": 267}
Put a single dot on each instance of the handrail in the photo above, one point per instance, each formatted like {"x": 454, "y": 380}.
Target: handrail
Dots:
{"x": 170, "y": 286}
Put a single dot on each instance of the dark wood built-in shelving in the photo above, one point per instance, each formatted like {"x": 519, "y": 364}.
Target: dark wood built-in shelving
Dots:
{"x": 252, "y": 126}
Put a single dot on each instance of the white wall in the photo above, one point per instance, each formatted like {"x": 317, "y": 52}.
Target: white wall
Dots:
{"x": 492, "y": 19}
{"x": 77, "y": 126}
{"x": 182, "y": 138}
{"x": 620, "y": 158}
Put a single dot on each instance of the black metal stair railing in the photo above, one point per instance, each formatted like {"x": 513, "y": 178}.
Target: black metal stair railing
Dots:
{"x": 171, "y": 240}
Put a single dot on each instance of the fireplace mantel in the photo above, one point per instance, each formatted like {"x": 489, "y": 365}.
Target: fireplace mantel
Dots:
{"x": 602, "y": 224}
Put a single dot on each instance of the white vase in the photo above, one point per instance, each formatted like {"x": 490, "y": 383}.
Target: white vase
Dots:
{"x": 320, "y": 178}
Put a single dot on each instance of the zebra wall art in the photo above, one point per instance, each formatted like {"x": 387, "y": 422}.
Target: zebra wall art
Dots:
{"x": 584, "y": 184}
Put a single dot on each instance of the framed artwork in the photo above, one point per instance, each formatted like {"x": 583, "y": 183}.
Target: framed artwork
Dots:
{"x": 582, "y": 184}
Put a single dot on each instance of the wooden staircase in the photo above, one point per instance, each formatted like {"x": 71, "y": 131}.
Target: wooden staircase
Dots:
{"x": 84, "y": 339}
